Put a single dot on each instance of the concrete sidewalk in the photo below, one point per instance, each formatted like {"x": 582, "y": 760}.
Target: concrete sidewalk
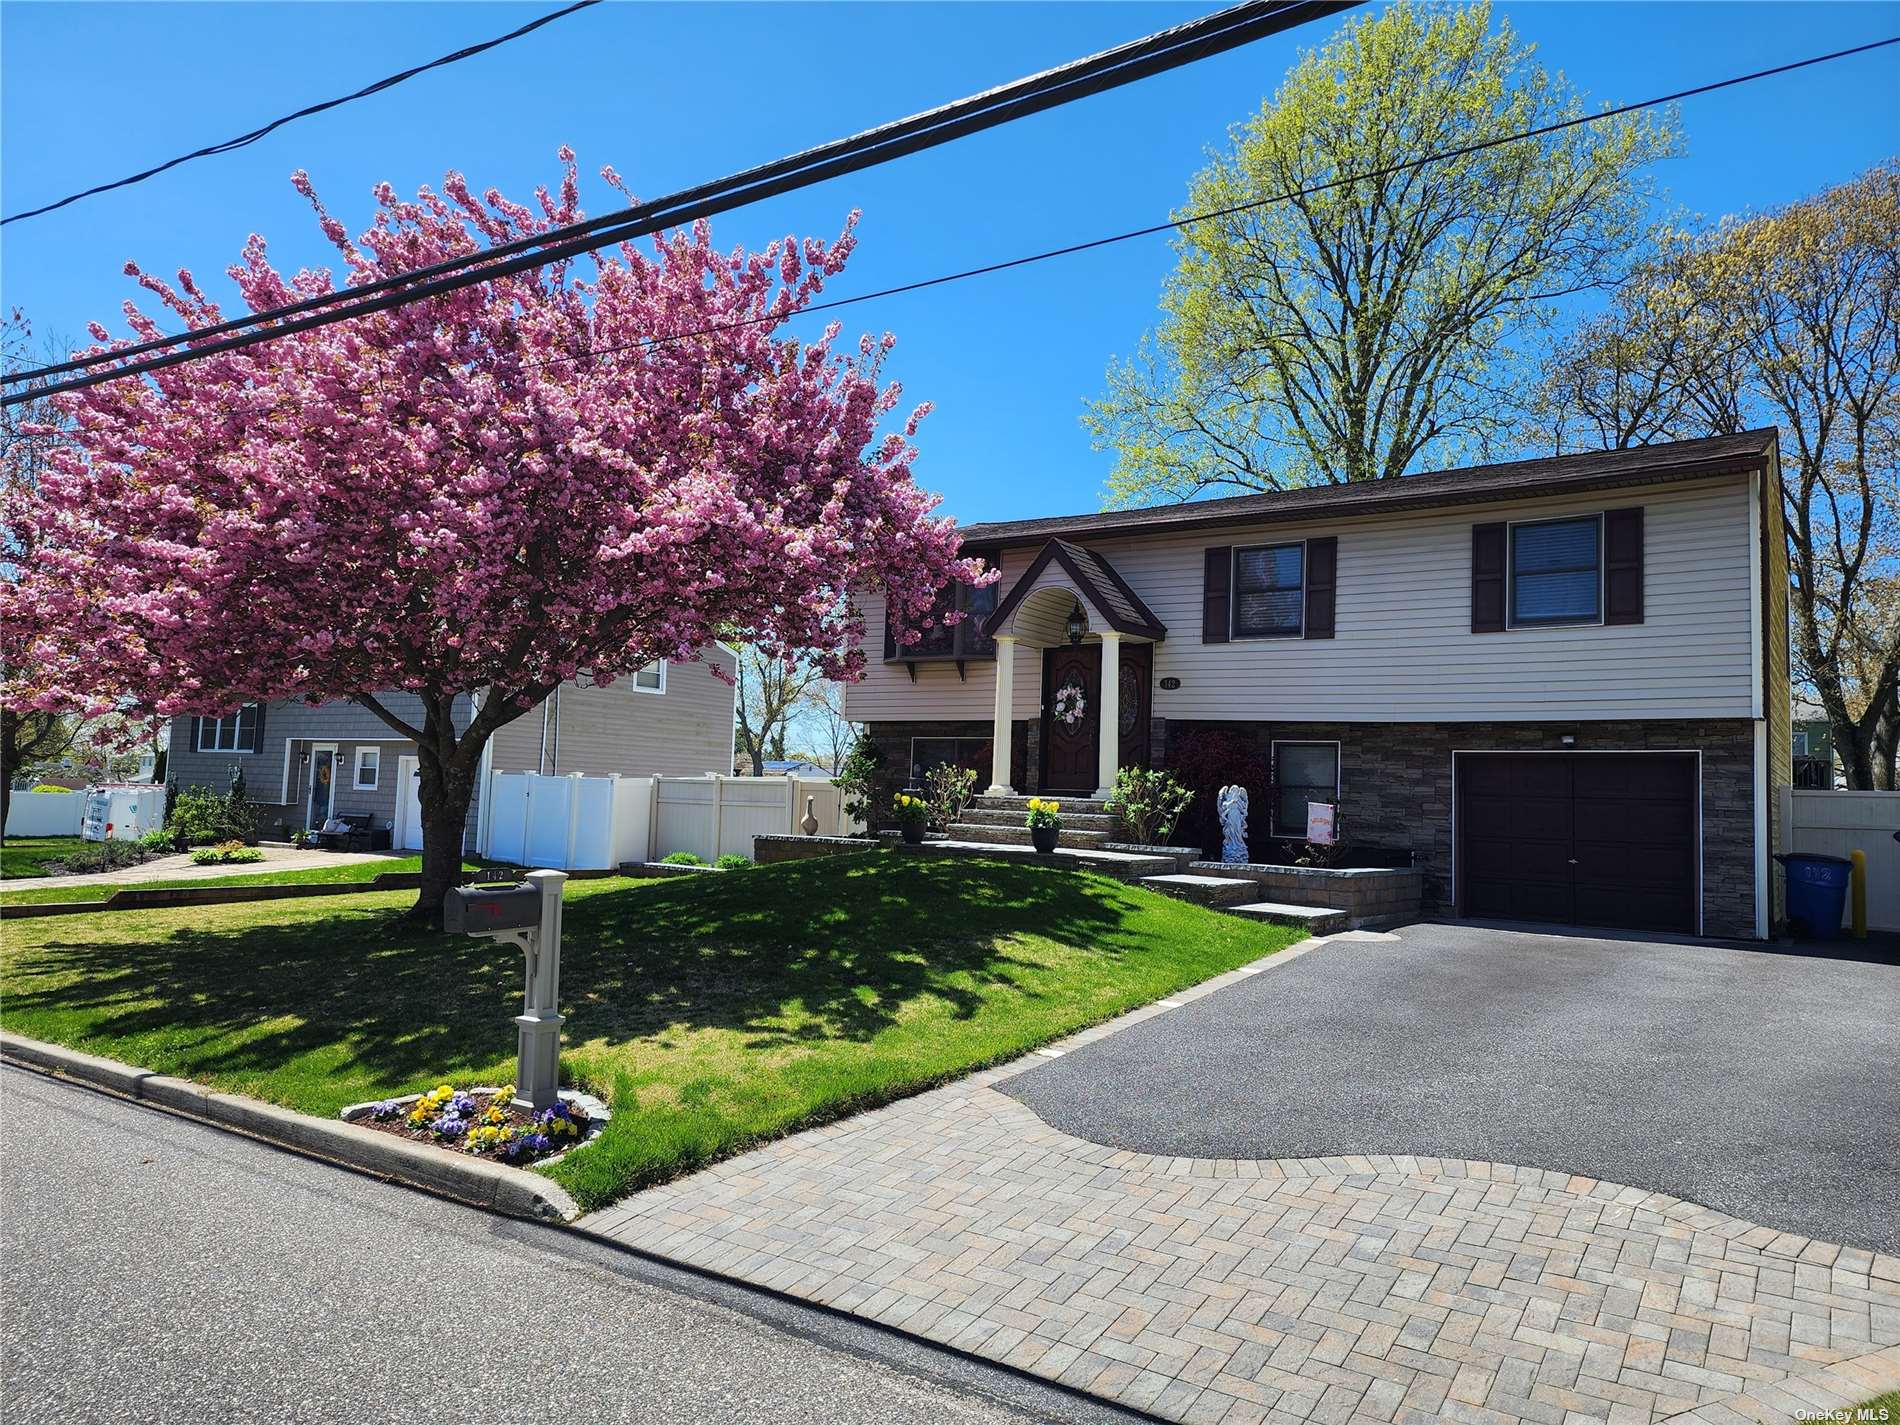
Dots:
{"x": 182, "y": 868}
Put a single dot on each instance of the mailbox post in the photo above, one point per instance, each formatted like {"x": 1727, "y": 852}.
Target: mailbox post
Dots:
{"x": 527, "y": 915}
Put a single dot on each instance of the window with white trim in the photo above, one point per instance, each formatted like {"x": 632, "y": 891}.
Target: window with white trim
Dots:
{"x": 652, "y": 678}
{"x": 1302, "y": 772}
{"x": 369, "y": 768}
{"x": 234, "y": 732}
{"x": 1557, "y": 572}
{"x": 1269, "y": 591}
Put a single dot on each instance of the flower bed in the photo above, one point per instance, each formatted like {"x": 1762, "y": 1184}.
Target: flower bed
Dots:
{"x": 486, "y": 1122}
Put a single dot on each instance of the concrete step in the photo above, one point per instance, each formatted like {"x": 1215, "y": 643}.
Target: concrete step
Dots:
{"x": 1013, "y": 816}
{"x": 1122, "y": 865}
{"x": 1203, "y": 890}
{"x": 1020, "y": 805}
{"x": 1317, "y": 919}
{"x": 1019, "y": 835}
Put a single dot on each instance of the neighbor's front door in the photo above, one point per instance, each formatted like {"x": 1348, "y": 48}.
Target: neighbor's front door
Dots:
{"x": 1069, "y": 758}
{"x": 322, "y": 785}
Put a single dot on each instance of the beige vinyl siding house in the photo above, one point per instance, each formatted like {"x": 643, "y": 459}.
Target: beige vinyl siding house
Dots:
{"x": 1399, "y": 641}
{"x": 301, "y": 763}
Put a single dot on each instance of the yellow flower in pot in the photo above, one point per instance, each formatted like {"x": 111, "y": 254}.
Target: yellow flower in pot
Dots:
{"x": 1045, "y": 823}
{"x": 912, "y": 815}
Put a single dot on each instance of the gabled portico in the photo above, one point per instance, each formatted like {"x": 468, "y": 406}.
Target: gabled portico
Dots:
{"x": 1074, "y": 609}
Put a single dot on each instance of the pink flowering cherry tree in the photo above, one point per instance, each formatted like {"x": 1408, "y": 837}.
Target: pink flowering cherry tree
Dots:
{"x": 560, "y": 474}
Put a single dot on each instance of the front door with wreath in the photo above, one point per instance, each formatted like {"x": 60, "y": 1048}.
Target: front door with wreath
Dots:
{"x": 1071, "y": 680}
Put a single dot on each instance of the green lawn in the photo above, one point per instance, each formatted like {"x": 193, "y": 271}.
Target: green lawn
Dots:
{"x": 1880, "y": 1408}
{"x": 710, "y": 1011}
{"x": 308, "y": 876}
{"x": 28, "y": 855}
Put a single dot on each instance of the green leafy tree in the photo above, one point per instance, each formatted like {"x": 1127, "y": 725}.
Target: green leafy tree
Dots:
{"x": 1789, "y": 318}
{"x": 1343, "y": 334}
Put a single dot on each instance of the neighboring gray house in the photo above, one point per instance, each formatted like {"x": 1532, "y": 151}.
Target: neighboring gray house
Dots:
{"x": 302, "y": 764}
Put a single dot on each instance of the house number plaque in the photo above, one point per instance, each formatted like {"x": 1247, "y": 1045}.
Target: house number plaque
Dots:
{"x": 1168, "y": 685}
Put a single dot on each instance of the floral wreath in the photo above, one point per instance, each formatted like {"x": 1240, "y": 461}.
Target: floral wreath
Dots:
{"x": 1070, "y": 704}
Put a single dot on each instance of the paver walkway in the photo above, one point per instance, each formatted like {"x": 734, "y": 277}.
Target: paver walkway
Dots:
{"x": 182, "y": 868}
{"x": 1339, "y": 1289}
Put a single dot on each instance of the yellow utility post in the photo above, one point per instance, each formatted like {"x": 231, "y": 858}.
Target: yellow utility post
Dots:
{"x": 1858, "y": 893}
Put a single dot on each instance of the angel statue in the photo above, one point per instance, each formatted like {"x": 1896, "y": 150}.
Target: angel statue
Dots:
{"x": 1232, "y": 803}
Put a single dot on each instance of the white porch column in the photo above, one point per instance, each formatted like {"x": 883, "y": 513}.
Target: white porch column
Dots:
{"x": 1005, "y": 700}
{"x": 1109, "y": 724}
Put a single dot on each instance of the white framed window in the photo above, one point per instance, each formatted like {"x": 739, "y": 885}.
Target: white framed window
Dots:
{"x": 1302, "y": 772}
{"x": 652, "y": 678}
{"x": 1270, "y": 591}
{"x": 369, "y": 768}
{"x": 234, "y": 732}
{"x": 1557, "y": 572}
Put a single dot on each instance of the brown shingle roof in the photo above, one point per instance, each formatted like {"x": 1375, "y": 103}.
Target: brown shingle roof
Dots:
{"x": 1106, "y": 589}
{"x": 1549, "y": 475}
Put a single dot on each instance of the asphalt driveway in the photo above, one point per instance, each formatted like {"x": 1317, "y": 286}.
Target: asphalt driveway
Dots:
{"x": 1760, "y": 1083}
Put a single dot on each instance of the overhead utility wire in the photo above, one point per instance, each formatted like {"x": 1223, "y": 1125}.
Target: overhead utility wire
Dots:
{"x": 255, "y": 134}
{"x": 1154, "y": 54}
{"x": 1175, "y": 224}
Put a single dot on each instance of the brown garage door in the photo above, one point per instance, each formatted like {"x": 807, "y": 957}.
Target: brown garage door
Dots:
{"x": 1588, "y": 839}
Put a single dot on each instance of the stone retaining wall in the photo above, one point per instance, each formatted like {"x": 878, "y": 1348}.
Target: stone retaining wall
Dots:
{"x": 768, "y": 849}
{"x": 1369, "y": 895}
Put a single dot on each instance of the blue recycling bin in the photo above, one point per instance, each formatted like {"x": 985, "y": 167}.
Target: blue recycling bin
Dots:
{"x": 1817, "y": 892}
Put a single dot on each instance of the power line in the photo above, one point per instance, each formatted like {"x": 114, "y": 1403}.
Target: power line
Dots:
{"x": 1110, "y": 69}
{"x": 255, "y": 134}
{"x": 1173, "y": 224}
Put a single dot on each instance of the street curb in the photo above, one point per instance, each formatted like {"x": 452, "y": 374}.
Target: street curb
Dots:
{"x": 476, "y": 1181}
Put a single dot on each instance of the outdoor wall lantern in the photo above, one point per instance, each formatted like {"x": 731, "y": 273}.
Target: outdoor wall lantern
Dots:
{"x": 1076, "y": 626}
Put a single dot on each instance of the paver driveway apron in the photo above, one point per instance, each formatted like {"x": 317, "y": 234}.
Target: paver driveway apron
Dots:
{"x": 1760, "y": 1083}
{"x": 1237, "y": 1290}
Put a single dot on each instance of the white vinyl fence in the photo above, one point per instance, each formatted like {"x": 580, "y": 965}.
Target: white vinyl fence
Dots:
{"x": 45, "y": 813}
{"x": 1835, "y": 823}
{"x": 595, "y": 823}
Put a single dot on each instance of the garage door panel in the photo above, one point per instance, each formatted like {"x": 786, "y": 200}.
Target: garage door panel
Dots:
{"x": 1595, "y": 839}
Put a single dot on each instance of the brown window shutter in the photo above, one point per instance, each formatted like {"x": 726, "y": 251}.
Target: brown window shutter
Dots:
{"x": 1322, "y": 579}
{"x": 890, "y": 640}
{"x": 1487, "y": 578}
{"x": 251, "y": 727}
{"x": 1216, "y": 593}
{"x": 1623, "y": 565}
{"x": 196, "y": 723}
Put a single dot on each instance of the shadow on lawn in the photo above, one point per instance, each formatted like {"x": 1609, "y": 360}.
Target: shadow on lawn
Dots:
{"x": 798, "y": 953}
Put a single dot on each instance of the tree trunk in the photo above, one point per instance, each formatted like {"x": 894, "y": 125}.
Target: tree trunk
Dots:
{"x": 444, "y": 791}
{"x": 1886, "y": 744}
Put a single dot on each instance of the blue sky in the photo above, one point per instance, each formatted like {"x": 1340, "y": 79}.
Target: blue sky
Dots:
{"x": 670, "y": 94}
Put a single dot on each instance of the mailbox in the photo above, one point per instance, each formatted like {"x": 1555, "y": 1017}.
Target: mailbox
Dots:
{"x": 485, "y": 910}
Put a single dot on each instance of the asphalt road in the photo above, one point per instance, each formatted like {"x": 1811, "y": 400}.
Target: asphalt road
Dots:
{"x": 153, "y": 1269}
{"x": 1763, "y": 1084}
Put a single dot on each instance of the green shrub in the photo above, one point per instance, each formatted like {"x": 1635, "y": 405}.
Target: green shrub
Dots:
{"x": 199, "y": 817}
{"x": 948, "y": 788}
{"x": 158, "y": 842}
{"x": 49, "y": 787}
{"x": 1148, "y": 804}
{"x": 857, "y": 780}
{"x": 232, "y": 852}
{"x": 681, "y": 858}
{"x": 733, "y": 862}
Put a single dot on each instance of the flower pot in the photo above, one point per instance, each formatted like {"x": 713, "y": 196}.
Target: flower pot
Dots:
{"x": 913, "y": 832}
{"x": 1044, "y": 837}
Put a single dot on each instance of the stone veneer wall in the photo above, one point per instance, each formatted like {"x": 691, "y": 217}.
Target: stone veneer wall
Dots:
{"x": 1395, "y": 789}
{"x": 893, "y": 740}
